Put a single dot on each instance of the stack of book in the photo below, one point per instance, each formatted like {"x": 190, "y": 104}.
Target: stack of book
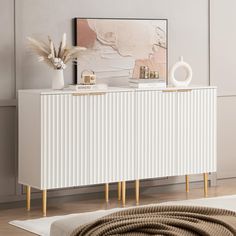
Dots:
{"x": 76, "y": 87}
{"x": 147, "y": 83}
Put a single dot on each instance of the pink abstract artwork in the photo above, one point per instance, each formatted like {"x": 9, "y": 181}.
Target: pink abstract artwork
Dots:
{"x": 116, "y": 48}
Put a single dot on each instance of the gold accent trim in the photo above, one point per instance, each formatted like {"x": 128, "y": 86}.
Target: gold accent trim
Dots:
{"x": 107, "y": 192}
{"x": 119, "y": 191}
{"x": 44, "y": 202}
{"x": 137, "y": 183}
{"x": 170, "y": 91}
{"x": 28, "y": 197}
{"x": 184, "y": 90}
{"x": 187, "y": 183}
{"x": 205, "y": 175}
{"x": 89, "y": 94}
{"x": 123, "y": 193}
{"x": 176, "y": 90}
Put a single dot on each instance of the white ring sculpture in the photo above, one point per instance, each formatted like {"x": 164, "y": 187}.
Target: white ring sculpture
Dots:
{"x": 188, "y": 69}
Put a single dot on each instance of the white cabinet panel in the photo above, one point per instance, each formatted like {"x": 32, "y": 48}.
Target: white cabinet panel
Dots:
{"x": 196, "y": 132}
{"x": 86, "y": 139}
{"x": 73, "y": 139}
{"x": 155, "y": 133}
{"x": 175, "y": 132}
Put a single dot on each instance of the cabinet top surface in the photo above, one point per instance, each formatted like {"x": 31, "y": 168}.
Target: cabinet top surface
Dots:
{"x": 110, "y": 90}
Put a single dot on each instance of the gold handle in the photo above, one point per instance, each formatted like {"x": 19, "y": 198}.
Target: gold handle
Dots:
{"x": 169, "y": 91}
{"x": 185, "y": 90}
{"x": 89, "y": 94}
{"x": 176, "y": 90}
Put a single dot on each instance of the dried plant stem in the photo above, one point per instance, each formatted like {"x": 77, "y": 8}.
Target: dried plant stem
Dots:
{"x": 48, "y": 53}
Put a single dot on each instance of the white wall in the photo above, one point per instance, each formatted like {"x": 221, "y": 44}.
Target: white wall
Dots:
{"x": 188, "y": 30}
{"x": 223, "y": 74}
{"x": 226, "y": 137}
{"x": 7, "y": 80}
{"x": 7, "y": 95}
{"x": 223, "y": 46}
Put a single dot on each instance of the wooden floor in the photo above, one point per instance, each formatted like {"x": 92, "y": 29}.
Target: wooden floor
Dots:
{"x": 62, "y": 206}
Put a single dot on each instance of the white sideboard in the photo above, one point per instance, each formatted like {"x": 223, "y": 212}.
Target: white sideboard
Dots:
{"x": 69, "y": 139}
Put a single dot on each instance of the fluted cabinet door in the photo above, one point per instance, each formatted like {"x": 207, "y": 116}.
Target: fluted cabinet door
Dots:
{"x": 155, "y": 133}
{"x": 119, "y": 137}
{"x": 86, "y": 139}
{"x": 196, "y": 132}
{"x": 175, "y": 132}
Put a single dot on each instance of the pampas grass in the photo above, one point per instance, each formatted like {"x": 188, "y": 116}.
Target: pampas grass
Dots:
{"x": 55, "y": 58}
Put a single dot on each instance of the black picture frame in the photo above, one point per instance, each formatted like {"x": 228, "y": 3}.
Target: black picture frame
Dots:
{"x": 75, "y": 33}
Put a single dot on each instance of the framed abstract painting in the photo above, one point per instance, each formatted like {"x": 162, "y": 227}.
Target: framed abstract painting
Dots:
{"x": 116, "y": 48}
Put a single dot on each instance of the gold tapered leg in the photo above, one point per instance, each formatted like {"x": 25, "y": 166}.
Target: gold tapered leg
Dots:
{"x": 123, "y": 192}
{"x": 187, "y": 183}
{"x": 205, "y": 184}
{"x": 44, "y": 202}
{"x": 28, "y": 197}
{"x": 137, "y": 191}
{"x": 107, "y": 192}
{"x": 119, "y": 191}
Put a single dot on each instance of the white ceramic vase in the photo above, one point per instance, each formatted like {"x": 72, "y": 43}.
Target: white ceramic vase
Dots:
{"x": 187, "y": 68}
{"x": 58, "y": 79}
